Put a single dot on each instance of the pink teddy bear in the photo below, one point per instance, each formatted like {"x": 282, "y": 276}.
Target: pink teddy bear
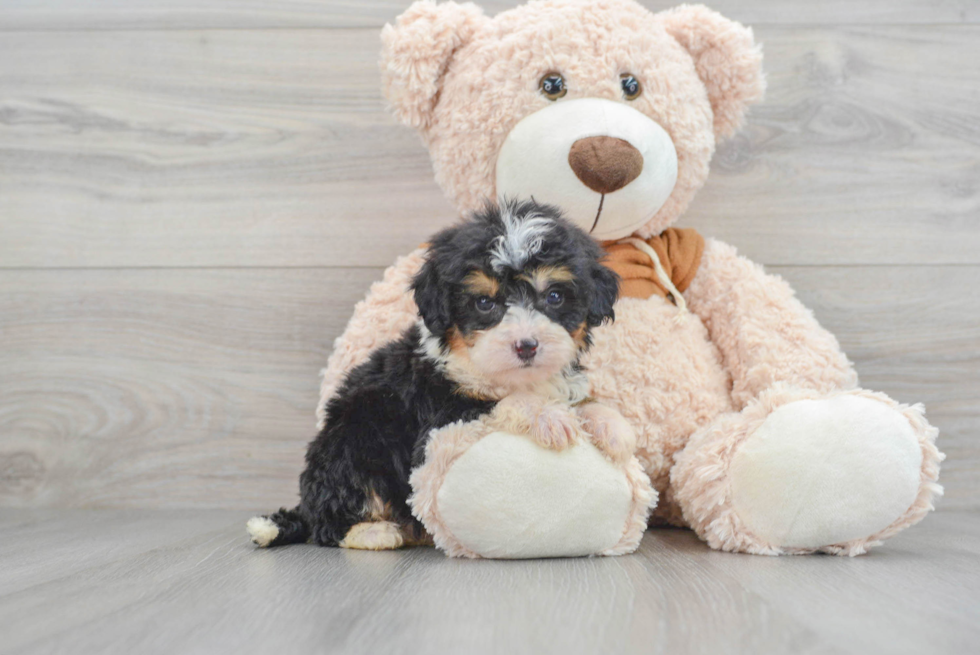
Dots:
{"x": 748, "y": 418}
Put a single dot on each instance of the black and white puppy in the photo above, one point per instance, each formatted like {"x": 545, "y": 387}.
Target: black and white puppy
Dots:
{"x": 507, "y": 300}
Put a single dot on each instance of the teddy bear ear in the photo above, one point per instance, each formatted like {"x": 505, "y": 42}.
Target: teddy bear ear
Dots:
{"x": 727, "y": 60}
{"x": 417, "y": 50}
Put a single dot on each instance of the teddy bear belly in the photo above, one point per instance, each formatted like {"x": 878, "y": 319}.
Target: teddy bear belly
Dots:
{"x": 665, "y": 376}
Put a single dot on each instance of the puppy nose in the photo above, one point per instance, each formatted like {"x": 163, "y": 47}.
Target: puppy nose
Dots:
{"x": 604, "y": 163}
{"x": 526, "y": 349}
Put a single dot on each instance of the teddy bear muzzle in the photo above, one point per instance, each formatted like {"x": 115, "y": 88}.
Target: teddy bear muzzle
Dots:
{"x": 609, "y": 167}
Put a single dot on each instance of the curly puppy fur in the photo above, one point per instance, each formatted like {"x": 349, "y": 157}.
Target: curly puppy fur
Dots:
{"x": 507, "y": 302}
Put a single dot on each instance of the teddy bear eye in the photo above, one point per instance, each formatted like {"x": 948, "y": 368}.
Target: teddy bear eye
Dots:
{"x": 631, "y": 86}
{"x": 553, "y": 86}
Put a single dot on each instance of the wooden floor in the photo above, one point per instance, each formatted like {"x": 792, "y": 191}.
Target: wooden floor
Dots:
{"x": 194, "y": 194}
{"x": 100, "y": 581}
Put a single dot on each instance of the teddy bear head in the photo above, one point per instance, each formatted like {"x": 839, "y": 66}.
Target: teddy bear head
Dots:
{"x": 599, "y": 107}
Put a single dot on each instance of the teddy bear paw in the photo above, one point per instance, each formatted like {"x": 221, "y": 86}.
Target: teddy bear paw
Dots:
{"x": 609, "y": 431}
{"x": 826, "y": 471}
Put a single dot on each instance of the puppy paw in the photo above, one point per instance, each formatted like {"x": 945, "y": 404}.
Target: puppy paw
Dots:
{"x": 608, "y": 431}
{"x": 515, "y": 413}
{"x": 554, "y": 427}
{"x": 374, "y": 535}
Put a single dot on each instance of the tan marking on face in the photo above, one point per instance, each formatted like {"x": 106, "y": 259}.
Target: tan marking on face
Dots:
{"x": 543, "y": 277}
{"x": 471, "y": 382}
{"x": 479, "y": 283}
{"x": 579, "y": 335}
{"x": 460, "y": 343}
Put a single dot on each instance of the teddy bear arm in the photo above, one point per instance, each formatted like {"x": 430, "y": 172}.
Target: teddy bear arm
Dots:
{"x": 765, "y": 334}
{"x": 387, "y": 311}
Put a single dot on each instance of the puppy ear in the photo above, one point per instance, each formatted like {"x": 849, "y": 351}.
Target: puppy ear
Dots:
{"x": 726, "y": 58}
{"x": 432, "y": 299}
{"x": 606, "y": 292}
{"x": 416, "y": 52}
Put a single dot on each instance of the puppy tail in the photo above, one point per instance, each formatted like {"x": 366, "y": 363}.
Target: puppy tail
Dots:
{"x": 286, "y": 526}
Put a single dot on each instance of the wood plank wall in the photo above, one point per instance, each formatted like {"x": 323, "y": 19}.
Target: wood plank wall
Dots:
{"x": 193, "y": 195}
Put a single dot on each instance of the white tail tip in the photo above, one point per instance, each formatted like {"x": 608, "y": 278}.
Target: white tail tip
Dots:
{"x": 262, "y": 531}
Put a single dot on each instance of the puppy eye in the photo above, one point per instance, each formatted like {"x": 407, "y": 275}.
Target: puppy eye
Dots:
{"x": 553, "y": 86}
{"x": 485, "y": 303}
{"x": 554, "y": 298}
{"x": 631, "y": 86}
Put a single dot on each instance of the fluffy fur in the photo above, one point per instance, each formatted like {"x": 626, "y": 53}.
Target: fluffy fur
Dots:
{"x": 465, "y": 87}
{"x": 703, "y": 486}
{"x": 693, "y": 390}
{"x": 522, "y": 239}
{"x": 507, "y": 302}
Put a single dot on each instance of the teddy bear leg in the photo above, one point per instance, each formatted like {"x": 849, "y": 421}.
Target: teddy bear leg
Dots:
{"x": 482, "y": 492}
{"x": 798, "y": 472}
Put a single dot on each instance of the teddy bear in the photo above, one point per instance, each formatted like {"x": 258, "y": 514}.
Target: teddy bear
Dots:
{"x": 748, "y": 417}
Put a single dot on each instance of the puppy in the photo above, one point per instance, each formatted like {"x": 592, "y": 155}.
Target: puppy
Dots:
{"x": 507, "y": 301}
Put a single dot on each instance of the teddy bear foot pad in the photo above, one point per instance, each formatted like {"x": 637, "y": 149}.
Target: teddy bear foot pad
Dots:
{"x": 503, "y": 496}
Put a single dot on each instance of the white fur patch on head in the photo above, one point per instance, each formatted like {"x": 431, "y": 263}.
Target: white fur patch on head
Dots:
{"x": 262, "y": 530}
{"x": 522, "y": 239}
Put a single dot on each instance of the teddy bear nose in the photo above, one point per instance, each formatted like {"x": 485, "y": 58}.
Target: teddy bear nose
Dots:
{"x": 605, "y": 163}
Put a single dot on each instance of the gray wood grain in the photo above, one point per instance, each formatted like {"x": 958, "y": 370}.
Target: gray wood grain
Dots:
{"x": 886, "y": 605}
{"x": 40, "y": 545}
{"x": 185, "y": 14}
{"x": 196, "y": 388}
{"x": 180, "y": 387}
{"x": 204, "y": 588}
{"x": 866, "y": 150}
{"x": 272, "y": 148}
